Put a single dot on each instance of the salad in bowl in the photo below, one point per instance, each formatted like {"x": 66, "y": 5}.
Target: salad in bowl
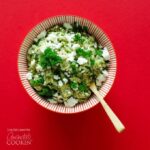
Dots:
{"x": 60, "y": 58}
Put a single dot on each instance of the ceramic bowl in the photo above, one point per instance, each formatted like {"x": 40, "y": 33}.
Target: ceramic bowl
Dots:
{"x": 101, "y": 37}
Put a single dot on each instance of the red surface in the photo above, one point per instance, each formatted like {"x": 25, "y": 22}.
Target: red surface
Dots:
{"x": 128, "y": 25}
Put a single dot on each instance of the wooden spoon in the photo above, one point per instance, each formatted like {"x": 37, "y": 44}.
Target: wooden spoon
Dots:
{"x": 114, "y": 119}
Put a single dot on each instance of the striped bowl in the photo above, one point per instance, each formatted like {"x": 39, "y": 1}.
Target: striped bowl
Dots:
{"x": 101, "y": 37}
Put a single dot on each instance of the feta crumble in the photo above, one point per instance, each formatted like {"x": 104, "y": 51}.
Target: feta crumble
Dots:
{"x": 32, "y": 62}
{"x": 67, "y": 25}
{"x": 71, "y": 102}
{"x": 39, "y": 68}
{"x": 41, "y": 35}
{"x": 101, "y": 78}
{"x": 105, "y": 54}
{"x": 70, "y": 56}
{"x": 105, "y": 73}
{"x": 56, "y": 77}
{"x": 81, "y": 61}
{"x": 60, "y": 83}
{"x": 65, "y": 80}
{"x": 29, "y": 76}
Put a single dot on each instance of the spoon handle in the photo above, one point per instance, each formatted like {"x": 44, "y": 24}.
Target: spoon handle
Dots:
{"x": 112, "y": 116}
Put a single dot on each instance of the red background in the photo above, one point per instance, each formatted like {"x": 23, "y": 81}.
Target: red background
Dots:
{"x": 127, "y": 22}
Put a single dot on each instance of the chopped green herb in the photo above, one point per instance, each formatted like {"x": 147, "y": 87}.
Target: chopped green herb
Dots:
{"x": 37, "y": 82}
{"x": 46, "y": 92}
{"x": 74, "y": 67}
{"x": 83, "y": 87}
{"x": 85, "y": 28}
{"x": 92, "y": 62}
{"x": 78, "y": 38}
{"x": 49, "y": 58}
{"x": 74, "y": 85}
{"x": 99, "y": 52}
{"x": 81, "y": 52}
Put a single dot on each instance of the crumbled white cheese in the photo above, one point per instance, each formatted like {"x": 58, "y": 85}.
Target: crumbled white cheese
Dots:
{"x": 70, "y": 56}
{"x": 95, "y": 45}
{"x": 32, "y": 62}
{"x": 67, "y": 74}
{"x": 54, "y": 45}
{"x": 35, "y": 39}
{"x": 98, "y": 83}
{"x": 39, "y": 68}
{"x": 57, "y": 45}
{"x": 56, "y": 94}
{"x": 65, "y": 80}
{"x": 36, "y": 77}
{"x": 52, "y": 101}
{"x": 52, "y": 37}
{"x": 51, "y": 45}
{"x": 29, "y": 75}
{"x": 43, "y": 46}
{"x": 71, "y": 102}
{"x": 62, "y": 53}
{"x": 60, "y": 83}
{"x": 41, "y": 35}
{"x": 101, "y": 78}
{"x": 75, "y": 46}
{"x": 56, "y": 77}
{"x": 105, "y": 54}
{"x": 69, "y": 37}
{"x": 81, "y": 60}
{"x": 68, "y": 92}
{"x": 67, "y": 25}
{"x": 105, "y": 73}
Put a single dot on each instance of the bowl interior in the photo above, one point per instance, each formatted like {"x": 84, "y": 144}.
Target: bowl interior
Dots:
{"x": 101, "y": 37}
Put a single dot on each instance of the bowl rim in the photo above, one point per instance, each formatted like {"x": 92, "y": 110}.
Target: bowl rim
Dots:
{"x": 28, "y": 88}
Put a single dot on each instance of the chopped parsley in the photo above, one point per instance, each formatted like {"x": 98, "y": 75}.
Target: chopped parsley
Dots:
{"x": 99, "y": 52}
{"x": 92, "y": 62}
{"x": 74, "y": 85}
{"x": 83, "y": 87}
{"x": 81, "y": 52}
{"x": 78, "y": 38}
{"x": 49, "y": 58}
{"x": 85, "y": 28}
{"x": 37, "y": 82}
{"x": 46, "y": 92}
{"x": 74, "y": 67}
